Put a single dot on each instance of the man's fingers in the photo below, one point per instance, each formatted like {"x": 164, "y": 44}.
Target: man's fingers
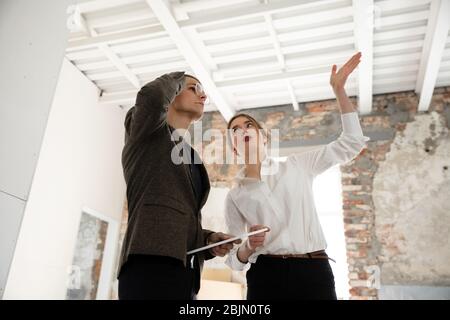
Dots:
{"x": 224, "y": 236}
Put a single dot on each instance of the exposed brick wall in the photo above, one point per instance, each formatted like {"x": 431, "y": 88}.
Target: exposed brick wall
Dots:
{"x": 391, "y": 113}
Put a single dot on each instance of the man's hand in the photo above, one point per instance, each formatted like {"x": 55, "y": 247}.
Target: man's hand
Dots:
{"x": 339, "y": 77}
{"x": 223, "y": 249}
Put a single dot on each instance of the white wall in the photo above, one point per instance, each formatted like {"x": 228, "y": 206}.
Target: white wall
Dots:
{"x": 33, "y": 37}
{"x": 327, "y": 189}
{"x": 79, "y": 166}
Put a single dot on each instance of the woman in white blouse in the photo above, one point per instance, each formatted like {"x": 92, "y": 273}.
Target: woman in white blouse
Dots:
{"x": 289, "y": 261}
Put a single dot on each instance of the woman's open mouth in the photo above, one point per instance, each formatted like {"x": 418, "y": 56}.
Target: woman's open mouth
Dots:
{"x": 246, "y": 139}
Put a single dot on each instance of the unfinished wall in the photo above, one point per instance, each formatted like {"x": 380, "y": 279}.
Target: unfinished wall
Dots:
{"x": 410, "y": 195}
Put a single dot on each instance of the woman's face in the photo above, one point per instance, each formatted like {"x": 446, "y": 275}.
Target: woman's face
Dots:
{"x": 247, "y": 140}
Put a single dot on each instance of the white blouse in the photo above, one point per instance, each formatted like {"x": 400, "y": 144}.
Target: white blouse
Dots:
{"x": 283, "y": 199}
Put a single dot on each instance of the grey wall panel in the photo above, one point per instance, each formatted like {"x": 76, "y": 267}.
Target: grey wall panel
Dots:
{"x": 11, "y": 217}
{"x": 33, "y": 38}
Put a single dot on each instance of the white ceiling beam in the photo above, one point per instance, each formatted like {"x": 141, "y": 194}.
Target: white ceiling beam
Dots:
{"x": 128, "y": 96}
{"x": 193, "y": 37}
{"x": 284, "y": 95}
{"x": 153, "y": 57}
{"x": 154, "y": 69}
{"x": 399, "y": 19}
{"x": 393, "y": 81}
{"x": 248, "y": 29}
{"x": 244, "y": 90}
{"x": 389, "y": 5}
{"x": 304, "y": 20}
{"x": 321, "y": 45}
{"x": 292, "y": 95}
{"x": 395, "y": 69}
{"x": 121, "y": 15}
{"x": 162, "y": 11}
{"x": 433, "y": 49}
{"x": 115, "y": 60}
{"x": 257, "y": 9}
{"x": 241, "y": 44}
{"x": 142, "y": 33}
{"x": 201, "y": 5}
{"x": 302, "y": 87}
{"x": 274, "y": 40}
{"x": 242, "y": 56}
{"x": 121, "y": 97}
{"x": 396, "y": 87}
{"x": 392, "y": 47}
{"x": 251, "y": 11}
{"x": 316, "y": 49}
{"x": 411, "y": 57}
{"x": 398, "y": 34}
{"x": 123, "y": 68}
{"x": 98, "y": 5}
{"x": 280, "y": 58}
{"x": 309, "y": 34}
{"x": 258, "y": 103}
{"x": 275, "y": 76}
{"x": 364, "y": 27}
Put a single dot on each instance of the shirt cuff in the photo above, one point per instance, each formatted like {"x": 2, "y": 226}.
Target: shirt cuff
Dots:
{"x": 350, "y": 124}
{"x": 233, "y": 261}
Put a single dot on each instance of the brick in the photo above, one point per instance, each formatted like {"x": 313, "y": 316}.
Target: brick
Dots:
{"x": 356, "y": 227}
{"x": 359, "y": 283}
{"x": 351, "y": 188}
{"x": 357, "y": 254}
{"x": 349, "y": 175}
{"x": 357, "y": 240}
{"x": 363, "y": 206}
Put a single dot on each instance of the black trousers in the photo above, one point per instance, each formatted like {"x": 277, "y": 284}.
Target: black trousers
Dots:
{"x": 291, "y": 278}
{"x": 147, "y": 277}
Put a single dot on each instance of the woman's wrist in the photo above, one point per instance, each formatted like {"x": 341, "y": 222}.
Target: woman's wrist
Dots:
{"x": 339, "y": 91}
{"x": 249, "y": 247}
{"x": 244, "y": 252}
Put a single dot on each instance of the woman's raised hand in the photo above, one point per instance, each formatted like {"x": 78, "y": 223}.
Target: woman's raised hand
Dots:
{"x": 339, "y": 77}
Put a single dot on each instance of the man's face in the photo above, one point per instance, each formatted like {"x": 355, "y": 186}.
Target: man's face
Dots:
{"x": 191, "y": 99}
